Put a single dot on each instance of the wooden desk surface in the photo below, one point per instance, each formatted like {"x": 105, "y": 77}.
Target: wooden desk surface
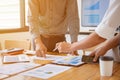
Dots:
{"x": 83, "y": 72}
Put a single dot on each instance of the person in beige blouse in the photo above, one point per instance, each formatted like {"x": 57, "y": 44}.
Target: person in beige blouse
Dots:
{"x": 49, "y": 20}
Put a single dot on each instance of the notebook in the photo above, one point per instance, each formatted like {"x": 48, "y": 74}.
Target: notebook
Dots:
{"x": 15, "y": 58}
{"x": 70, "y": 61}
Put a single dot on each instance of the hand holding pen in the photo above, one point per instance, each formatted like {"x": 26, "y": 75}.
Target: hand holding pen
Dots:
{"x": 63, "y": 47}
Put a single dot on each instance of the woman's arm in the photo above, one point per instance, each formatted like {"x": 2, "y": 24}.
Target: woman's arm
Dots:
{"x": 92, "y": 40}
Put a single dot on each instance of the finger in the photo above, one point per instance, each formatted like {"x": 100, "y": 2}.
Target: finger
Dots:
{"x": 60, "y": 50}
{"x": 92, "y": 53}
{"x": 57, "y": 44}
{"x": 38, "y": 54}
{"x": 95, "y": 58}
{"x": 60, "y": 43}
{"x": 43, "y": 54}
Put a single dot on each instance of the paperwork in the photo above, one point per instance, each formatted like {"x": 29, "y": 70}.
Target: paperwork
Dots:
{"x": 48, "y": 57}
{"x": 15, "y": 68}
{"x": 15, "y": 58}
{"x": 63, "y": 60}
{"x": 70, "y": 60}
{"x": 46, "y": 71}
{"x": 2, "y": 76}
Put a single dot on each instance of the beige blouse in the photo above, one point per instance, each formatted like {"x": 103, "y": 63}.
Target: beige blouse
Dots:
{"x": 53, "y": 17}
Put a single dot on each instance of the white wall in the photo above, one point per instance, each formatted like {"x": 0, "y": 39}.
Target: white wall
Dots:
{"x": 13, "y": 36}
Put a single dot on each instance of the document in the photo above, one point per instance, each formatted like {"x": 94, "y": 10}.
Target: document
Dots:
{"x": 15, "y": 58}
{"x": 15, "y": 68}
{"x": 70, "y": 61}
{"x": 46, "y": 71}
{"x": 48, "y": 57}
{"x": 2, "y": 76}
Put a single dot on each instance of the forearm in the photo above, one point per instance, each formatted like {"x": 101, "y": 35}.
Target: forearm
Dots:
{"x": 38, "y": 40}
{"x": 92, "y": 40}
{"x": 112, "y": 42}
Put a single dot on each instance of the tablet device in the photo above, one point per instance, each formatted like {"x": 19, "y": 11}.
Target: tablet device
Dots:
{"x": 70, "y": 61}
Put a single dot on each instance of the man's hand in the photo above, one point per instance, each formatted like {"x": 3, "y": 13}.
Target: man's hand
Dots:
{"x": 41, "y": 49}
{"x": 98, "y": 52}
{"x": 64, "y": 47}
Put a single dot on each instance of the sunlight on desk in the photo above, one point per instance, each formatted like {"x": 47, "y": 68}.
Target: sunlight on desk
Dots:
{"x": 83, "y": 72}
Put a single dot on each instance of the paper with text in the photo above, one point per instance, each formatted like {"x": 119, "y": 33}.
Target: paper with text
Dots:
{"x": 46, "y": 71}
{"x": 2, "y": 76}
{"x": 15, "y": 68}
{"x": 48, "y": 57}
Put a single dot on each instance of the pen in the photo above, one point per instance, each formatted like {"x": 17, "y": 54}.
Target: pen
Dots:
{"x": 55, "y": 49}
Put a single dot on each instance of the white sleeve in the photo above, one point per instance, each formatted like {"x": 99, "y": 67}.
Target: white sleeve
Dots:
{"x": 110, "y": 21}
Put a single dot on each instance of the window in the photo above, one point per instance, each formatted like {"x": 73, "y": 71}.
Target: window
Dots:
{"x": 26, "y": 11}
{"x": 12, "y": 14}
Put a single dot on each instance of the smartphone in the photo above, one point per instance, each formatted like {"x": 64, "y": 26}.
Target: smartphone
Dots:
{"x": 88, "y": 59}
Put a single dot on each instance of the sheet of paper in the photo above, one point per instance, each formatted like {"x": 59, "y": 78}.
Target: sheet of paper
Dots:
{"x": 15, "y": 68}
{"x": 48, "y": 57}
{"x": 15, "y": 58}
{"x": 3, "y": 76}
{"x": 46, "y": 71}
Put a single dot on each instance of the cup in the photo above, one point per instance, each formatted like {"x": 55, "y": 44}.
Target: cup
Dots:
{"x": 106, "y": 65}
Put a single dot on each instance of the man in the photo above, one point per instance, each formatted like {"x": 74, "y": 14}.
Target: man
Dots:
{"x": 105, "y": 31}
{"x": 49, "y": 20}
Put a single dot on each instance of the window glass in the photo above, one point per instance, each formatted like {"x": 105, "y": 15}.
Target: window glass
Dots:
{"x": 26, "y": 11}
{"x": 9, "y": 14}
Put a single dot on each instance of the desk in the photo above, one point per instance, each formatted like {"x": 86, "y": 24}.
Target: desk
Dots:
{"x": 83, "y": 72}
